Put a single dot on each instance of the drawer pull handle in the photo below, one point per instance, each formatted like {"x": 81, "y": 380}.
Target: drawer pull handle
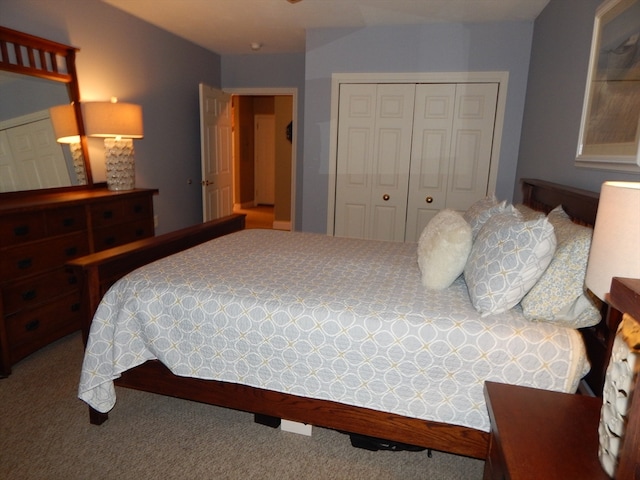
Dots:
{"x": 32, "y": 325}
{"x": 75, "y": 307}
{"x": 25, "y": 263}
{"x": 137, "y": 208}
{"x": 107, "y": 214}
{"x": 73, "y": 280}
{"x": 110, "y": 240}
{"x": 71, "y": 251}
{"x": 139, "y": 232}
{"x": 21, "y": 231}
{"x": 29, "y": 295}
{"x": 68, "y": 222}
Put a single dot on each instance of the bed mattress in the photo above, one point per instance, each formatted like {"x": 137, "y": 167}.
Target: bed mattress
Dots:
{"x": 332, "y": 318}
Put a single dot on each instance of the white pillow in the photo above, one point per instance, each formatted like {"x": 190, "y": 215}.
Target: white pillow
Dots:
{"x": 443, "y": 249}
{"x": 508, "y": 257}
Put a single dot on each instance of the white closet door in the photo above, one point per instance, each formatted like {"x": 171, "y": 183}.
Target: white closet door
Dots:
{"x": 392, "y": 157}
{"x": 38, "y": 158}
{"x": 473, "y": 128}
{"x": 354, "y": 164}
{"x": 9, "y": 179}
{"x": 430, "y": 155}
{"x": 451, "y": 153}
{"x": 374, "y": 148}
{"x": 406, "y": 151}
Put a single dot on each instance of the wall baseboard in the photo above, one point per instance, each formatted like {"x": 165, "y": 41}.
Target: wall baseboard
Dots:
{"x": 282, "y": 225}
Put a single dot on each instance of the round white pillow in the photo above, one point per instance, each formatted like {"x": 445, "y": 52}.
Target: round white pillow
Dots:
{"x": 443, "y": 249}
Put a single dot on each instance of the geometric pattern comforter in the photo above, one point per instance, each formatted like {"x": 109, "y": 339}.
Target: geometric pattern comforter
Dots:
{"x": 325, "y": 317}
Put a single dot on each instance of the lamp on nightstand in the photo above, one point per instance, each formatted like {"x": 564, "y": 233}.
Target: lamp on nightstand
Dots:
{"x": 615, "y": 248}
{"x": 615, "y": 252}
{"x": 118, "y": 123}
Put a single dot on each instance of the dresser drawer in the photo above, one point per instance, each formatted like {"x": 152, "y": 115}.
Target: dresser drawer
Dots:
{"x": 36, "y": 257}
{"x": 21, "y": 227}
{"x": 105, "y": 238}
{"x": 110, "y": 213}
{"x": 66, "y": 220}
{"x": 32, "y": 329}
{"x": 32, "y": 291}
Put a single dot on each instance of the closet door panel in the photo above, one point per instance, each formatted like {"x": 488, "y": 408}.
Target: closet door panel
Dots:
{"x": 394, "y": 120}
{"x": 430, "y": 154}
{"x": 473, "y": 127}
{"x": 355, "y": 159}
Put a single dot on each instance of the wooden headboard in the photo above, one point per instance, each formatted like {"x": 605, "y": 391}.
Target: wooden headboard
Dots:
{"x": 581, "y": 206}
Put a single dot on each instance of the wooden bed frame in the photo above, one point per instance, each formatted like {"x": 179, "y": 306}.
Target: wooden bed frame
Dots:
{"x": 101, "y": 270}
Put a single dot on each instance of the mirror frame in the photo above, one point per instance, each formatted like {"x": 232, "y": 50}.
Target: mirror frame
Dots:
{"x": 39, "y": 57}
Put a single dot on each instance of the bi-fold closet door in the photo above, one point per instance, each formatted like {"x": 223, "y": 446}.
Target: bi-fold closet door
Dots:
{"x": 406, "y": 151}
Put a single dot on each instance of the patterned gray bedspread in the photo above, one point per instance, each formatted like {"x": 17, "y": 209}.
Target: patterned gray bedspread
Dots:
{"x": 324, "y": 317}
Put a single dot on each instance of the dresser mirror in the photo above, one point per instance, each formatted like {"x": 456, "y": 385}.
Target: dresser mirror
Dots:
{"x": 35, "y": 75}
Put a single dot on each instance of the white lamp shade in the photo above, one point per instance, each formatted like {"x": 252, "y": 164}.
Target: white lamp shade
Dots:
{"x": 107, "y": 119}
{"x": 65, "y": 126}
{"x": 615, "y": 248}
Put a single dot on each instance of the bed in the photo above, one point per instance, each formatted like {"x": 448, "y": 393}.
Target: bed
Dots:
{"x": 350, "y": 351}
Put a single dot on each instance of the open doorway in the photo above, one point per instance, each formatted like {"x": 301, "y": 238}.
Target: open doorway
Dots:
{"x": 250, "y": 108}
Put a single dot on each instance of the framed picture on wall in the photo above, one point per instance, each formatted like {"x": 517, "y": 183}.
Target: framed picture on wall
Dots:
{"x": 610, "y": 127}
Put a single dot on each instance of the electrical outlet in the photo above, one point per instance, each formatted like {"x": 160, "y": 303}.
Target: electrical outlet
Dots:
{"x": 155, "y": 221}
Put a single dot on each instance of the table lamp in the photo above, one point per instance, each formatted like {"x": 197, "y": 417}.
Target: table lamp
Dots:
{"x": 118, "y": 123}
{"x": 615, "y": 252}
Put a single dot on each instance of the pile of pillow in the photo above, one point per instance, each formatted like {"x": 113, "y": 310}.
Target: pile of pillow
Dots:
{"x": 511, "y": 256}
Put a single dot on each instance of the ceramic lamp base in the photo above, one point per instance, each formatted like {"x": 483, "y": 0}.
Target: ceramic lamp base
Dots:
{"x": 120, "y": 164}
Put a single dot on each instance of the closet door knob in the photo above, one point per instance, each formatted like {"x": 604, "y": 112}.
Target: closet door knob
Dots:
{"x": 429, "y": 199}
{"x": 386, "y": 197}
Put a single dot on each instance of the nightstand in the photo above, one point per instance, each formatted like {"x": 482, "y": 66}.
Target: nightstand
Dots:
{"x": 539, "y": 434}
{"x": 542, "y": 434}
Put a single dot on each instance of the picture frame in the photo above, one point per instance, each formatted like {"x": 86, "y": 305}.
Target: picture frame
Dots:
{"x": 610, "y": 124}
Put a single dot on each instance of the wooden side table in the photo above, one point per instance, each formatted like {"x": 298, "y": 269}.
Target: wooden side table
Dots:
{"x": 542, "y": 434}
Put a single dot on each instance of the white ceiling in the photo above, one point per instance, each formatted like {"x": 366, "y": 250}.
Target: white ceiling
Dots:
{"x": 231, "y": 26}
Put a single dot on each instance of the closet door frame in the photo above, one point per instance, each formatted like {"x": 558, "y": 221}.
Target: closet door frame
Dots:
{"x": 499, "y": 77}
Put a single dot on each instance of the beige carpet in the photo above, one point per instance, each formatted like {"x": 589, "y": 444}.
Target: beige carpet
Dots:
{"x": 45, "y": 434}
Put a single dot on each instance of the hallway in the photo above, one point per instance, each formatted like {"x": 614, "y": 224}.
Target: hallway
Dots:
{"x": 258, "y": 217}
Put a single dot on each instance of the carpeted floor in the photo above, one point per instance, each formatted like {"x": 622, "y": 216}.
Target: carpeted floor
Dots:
{"x": 45, "y": 434}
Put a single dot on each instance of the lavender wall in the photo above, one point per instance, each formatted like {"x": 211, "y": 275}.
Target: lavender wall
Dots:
{"x": 124, "y": 57}
{"x": 426, "y": 48}
{"x": 557, "y": 81}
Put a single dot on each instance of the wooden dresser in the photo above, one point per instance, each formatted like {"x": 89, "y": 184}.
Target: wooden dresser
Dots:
{"x": 40, "y": 298}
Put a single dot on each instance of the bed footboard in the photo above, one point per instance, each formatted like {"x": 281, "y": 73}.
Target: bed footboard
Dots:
{"x": 98, "y": 271}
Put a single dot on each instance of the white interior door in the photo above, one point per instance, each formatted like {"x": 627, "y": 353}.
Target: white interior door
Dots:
{"x": 216, "y": 153}
{"x": 265, "y": 159}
